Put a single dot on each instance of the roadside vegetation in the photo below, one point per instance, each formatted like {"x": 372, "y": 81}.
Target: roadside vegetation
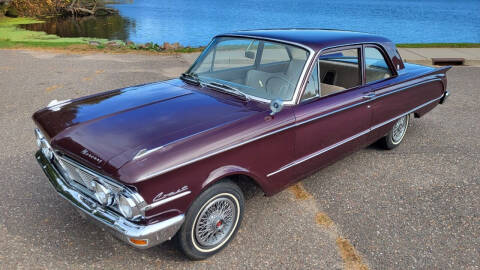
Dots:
{"x": 21, "y": 12}
{"x": 48, "y": 8}
{"x": 13, "y": 36}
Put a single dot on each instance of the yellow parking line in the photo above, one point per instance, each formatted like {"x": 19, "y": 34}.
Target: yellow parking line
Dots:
{"x": 351, "y": 258}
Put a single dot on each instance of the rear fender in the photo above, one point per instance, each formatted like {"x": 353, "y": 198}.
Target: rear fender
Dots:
{"x": 439, "y": 73}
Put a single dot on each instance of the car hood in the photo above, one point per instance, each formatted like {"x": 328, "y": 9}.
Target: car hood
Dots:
{"x": 118, "y": 125}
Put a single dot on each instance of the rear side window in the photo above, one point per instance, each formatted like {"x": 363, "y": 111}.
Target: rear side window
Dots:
{"x": 376, "y": 67}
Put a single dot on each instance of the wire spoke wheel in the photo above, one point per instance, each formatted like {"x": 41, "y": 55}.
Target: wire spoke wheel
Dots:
{"x": 399, "y": 129}
{"x": 215, "y": 222}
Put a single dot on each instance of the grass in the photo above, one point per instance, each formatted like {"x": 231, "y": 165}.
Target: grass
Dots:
{"x": 13, "y": 36}
{"x": 438, "y": 45}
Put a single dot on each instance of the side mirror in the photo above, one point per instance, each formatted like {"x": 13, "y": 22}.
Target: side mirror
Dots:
{"x": 250, "y": 54}
{"x": 276, "y": 106}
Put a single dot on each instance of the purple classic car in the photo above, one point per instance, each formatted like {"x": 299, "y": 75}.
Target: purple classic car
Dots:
{"x": 266, "y": 107}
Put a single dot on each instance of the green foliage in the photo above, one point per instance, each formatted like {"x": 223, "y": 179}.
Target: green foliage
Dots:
{"x": 16, "y": 21}
{"x": 11, "y": 35}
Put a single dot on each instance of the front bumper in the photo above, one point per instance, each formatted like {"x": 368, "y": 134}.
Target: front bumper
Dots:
{"x": 116, "y": 224}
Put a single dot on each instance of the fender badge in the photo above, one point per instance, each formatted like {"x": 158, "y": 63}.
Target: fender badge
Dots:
{"x": 160, "y": 196}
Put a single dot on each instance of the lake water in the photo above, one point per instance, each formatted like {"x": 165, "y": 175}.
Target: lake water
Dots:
{"x": 193, "y": 23}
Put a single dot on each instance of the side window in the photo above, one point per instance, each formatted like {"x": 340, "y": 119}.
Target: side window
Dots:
{"x": 311, "y": 90}
{"x": 376, "y": 67}
{"x": 274, "y": 53}
{"x": 339, "y": 70}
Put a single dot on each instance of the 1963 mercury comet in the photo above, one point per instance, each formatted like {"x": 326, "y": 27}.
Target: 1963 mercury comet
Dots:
{"x": 164, "y": 160}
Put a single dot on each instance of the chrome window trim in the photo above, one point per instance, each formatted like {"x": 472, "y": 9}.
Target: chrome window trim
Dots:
{"x": 335, "y": 48}
{"x": 386, "y": 57}
{"x": 319, "y": 90}
{"x": 328, "y": 148}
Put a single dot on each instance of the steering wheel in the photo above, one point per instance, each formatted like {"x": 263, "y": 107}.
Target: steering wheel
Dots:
{"x": 278, "y": 85}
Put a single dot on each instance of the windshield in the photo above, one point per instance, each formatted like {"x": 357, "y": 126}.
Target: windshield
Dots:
{"x": 263, "y": 69}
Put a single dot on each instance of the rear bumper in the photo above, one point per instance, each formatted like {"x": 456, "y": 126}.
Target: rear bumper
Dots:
{"x": 116, "y": 224}
{"x": 444, "y": 97}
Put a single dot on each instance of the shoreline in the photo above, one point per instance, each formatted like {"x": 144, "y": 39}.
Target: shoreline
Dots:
{"x": 14, "y": 37}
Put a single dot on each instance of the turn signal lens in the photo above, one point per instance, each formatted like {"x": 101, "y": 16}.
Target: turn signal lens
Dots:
{"x": 138, "y": 242}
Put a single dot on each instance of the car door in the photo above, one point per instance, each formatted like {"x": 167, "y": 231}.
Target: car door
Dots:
{"x": 390, "y": 99}
{"x": 334, "y": 121}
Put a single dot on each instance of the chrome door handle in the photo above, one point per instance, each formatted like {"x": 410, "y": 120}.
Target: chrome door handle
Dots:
{"x": 369, "y": 95}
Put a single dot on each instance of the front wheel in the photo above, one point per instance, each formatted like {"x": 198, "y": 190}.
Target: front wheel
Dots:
{"x": 212, "y": 221}
{"x": 396, "y": 134}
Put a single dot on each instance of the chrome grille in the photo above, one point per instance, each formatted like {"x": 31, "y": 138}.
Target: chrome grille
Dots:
{"x": 76, "y": 174}
{"x": 80, "y": 177}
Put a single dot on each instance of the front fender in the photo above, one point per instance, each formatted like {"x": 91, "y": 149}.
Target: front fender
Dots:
{"x": 229, "y": 170}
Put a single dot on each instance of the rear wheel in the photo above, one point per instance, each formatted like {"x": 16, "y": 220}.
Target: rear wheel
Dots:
{"x": 212, "y": 221}
{"x": 396, "y": 134}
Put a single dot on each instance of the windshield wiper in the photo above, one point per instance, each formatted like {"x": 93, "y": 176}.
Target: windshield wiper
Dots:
{"x": 227, "y": 89}
{"x": 190, "y": 77}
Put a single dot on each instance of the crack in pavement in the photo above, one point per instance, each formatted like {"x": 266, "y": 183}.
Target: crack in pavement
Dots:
{"x": 351, "y": 258}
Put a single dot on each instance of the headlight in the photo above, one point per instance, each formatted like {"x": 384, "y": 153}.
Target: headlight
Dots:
{"x": 127, "y": 206}
{"x": 103, "y": 194}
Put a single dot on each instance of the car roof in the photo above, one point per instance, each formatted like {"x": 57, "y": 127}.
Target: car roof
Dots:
{"x": 315, "y": 39}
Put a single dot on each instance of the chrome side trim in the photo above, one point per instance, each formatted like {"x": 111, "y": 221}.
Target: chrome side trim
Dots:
{"x": 164, "y": 201}
{"x": 362, "y": 102}
{"x": 211, "y": 154}
{"x": 321, "y": 151}
{"x": 277, "y": 131}
{"x": 144, "y": 152}
{"x": 411, "y": 111}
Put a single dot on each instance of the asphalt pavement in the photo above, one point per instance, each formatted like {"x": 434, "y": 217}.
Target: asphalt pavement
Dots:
{"x": 416, "y": 206}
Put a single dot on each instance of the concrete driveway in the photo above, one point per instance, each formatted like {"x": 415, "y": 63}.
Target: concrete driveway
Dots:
{"x": 414, "y": 207}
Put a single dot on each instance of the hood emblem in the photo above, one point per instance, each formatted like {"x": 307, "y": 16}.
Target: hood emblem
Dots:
{"x": 86, "y": 153}
{"x": 161, "y": 196}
